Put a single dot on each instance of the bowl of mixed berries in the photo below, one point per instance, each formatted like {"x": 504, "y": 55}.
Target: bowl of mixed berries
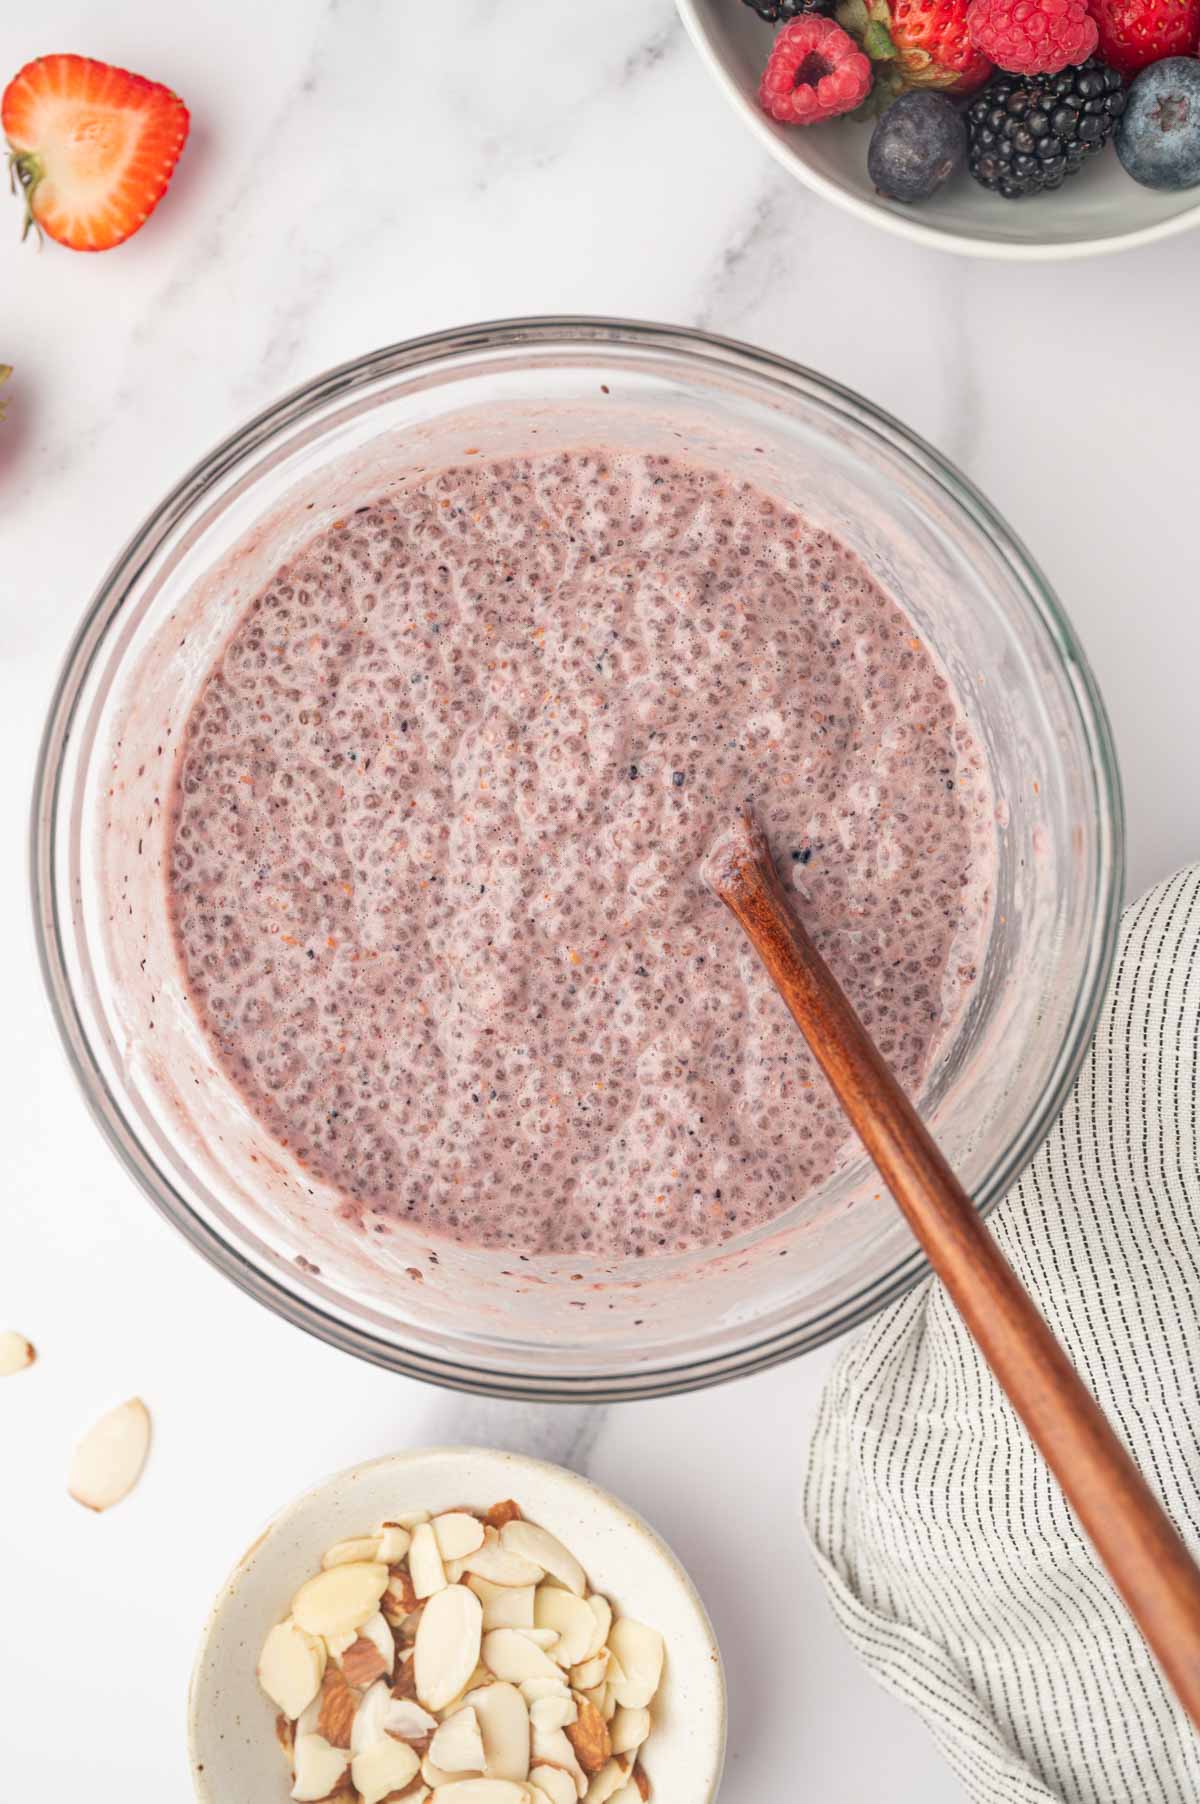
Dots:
{"x": 1003, "y": 128}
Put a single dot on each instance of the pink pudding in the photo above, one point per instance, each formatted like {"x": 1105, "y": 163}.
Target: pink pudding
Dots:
{"x": 438, "y": 822}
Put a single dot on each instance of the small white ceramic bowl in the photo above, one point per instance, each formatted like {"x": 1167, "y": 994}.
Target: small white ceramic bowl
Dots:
{"x": 1098, "y": 210}
{"x": 231, "y": 1729}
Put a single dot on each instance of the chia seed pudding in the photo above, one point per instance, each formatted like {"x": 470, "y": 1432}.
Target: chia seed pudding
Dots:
{"x": 438, "y": 821}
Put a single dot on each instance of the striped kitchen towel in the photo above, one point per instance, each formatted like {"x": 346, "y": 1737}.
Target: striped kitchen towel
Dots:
{"x": 951, "y": 1559}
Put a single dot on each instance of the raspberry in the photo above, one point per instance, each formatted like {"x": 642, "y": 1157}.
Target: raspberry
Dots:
{"x": 815, "y": 71}
{"x": 1032, "y": 37}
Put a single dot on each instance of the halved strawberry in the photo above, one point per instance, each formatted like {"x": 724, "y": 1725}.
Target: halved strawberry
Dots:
{"x": 92, "y": 148}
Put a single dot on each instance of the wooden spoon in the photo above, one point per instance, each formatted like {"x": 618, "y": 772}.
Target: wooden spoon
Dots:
{"x": 1128, "y": 1527}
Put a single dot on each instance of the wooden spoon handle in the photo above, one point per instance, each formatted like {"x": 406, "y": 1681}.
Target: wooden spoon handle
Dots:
{"x": 1128, "y": 1527}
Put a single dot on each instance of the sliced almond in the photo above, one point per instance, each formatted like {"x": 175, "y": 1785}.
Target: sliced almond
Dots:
{"x": 370, "y": 1720}
{"x": 638, "y": 1651}
{"x": 404, "y": 1679}
{"x": 533, "y": 1689}
{"x": 399, "y": 1600}
{"x": 339, "y": 1706}
{"x": 408, "y": 1721}
{"x": 570, "y": 1618}
{"x": 480, "y": 1678}
{"x": 590, "y": 1673}
{"x": 15, "y": 1353}
{"x": 554, "y": 1712}
{"x": 318, "y": 1767}
{"x": 499, "y": 1566}
{"x": 371, "y": 1655}
{"x": 504, "y": 1606}
{"x": 511, "y": 1655}
{"x": 589, "y": 1737}
{"x": 346, "y": 1553}
{"x": 448, "y": 1644}
{"x": 409, "y": 1520}
{"x": 605, "y": 1700}
{"x": 458, "y": 1745}
{"x": 291, "y": 1667}
{"x": 539, "y": 1547}
{"x": 387, "y": 1767}
{"x": 108, "y": 1461}
{"x": 557, "y": 1784}
{"x": 607, "y": 1782}
{"x": 504, "y": 1724}
{"x": 480, "y": 1791}
{"x": 500, "y": 1513}
{"x": 433, "y": 1775}
{"x": 551, "y": 1748}
{"x": 602, "y": 1610}
{"x": 394, "y": 1540}
{"x": 425, "y": 1562}
{"x": 458, "y": 1534}
{"x": 341, "y": 1599}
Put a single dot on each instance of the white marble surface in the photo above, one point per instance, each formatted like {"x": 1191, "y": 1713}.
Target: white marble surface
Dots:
{"x": 359, "y": 171}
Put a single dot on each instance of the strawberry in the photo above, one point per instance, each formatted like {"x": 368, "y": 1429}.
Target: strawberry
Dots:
{"x": 915, "y": 44}
{"x": 1136, "y": 32}
{"x": 92, "y": 148}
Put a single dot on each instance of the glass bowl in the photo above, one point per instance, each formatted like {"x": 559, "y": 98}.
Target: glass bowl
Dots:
{"x": 550, "y": 1327}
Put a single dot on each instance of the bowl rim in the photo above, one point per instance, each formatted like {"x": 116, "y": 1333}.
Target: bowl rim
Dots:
{"x": 672, "y": 1373}
{"x": 913, "y": 231}
{"x": 544, "y": 1471}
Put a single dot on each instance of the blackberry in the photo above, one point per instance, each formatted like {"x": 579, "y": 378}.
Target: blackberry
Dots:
{"x": 1027, "y": 133}
{"x": 778, "y": 12}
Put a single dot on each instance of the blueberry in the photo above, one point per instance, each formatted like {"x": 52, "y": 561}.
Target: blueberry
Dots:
{"x": 918, "y": 144}
{"x": 1158, "y": 134}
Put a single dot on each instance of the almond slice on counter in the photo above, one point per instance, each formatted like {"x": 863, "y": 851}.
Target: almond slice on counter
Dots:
{"x": 387, "y": 1767}
{"x": 16, "y": 1353}
{"x": 345, "y": 1553}
{"x": 425, "y": 1562}
{"x": 629, "y": 1729}
{"x": 458, "y": 1745}
{"x": 406, "y": 1719}
{"x": 480, "y": 1791}
{"x": 572, "y": 1620}
{"x": 108, "y": 1461}
{"x": 555, "y": 1783}
{"x": 504, "y": 1724}
{"x": 341, "y": 1599}
{"x": 394, "y": 1541}
{"x": 511, "y": 1655}
{"x": 318, "y": 1767}
{"x": 505, "y": 1606}
{"x": 638, "y": 1651}
{"x": 291, "y": 1667}
{"x": 539, "y": 1547}
{"x": 448, "y": 1644}
{"x": 602, "y": 1610}
{"x": 499, "y": 1565}
{"x": 589, "y": 1737}
{"x": 458, "y": 1534}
